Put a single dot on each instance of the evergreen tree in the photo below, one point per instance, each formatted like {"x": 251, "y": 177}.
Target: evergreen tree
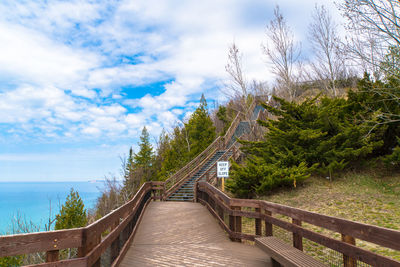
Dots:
{"x": 223, "y": 116}
{"x": 187, "y": 142}
{"x": 176, "y": 154}
{"x": 200, "y": 129}
{"x": 72, "y": 213}
{"x": 377, "y": 104}
{"x": 391, "y": 63}
{"x": 322, "y": 136}
{"x": 143, "y": 160}
{"x": 393, "y": 159}
{"x": 131, "y": 183}
{"x": 162, "y": 147}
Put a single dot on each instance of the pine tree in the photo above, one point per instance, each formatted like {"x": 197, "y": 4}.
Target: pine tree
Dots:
{"x": 223, "y": 117}
{"x": 321, "y": 135}
{"x": 393, "y": 160}
{"x": 143, "y": 160}
{"x": 162, "y": 147}
{"x": 200, "y": 129}
{"x": 131, "y": 183}
{"x": 176, "y": 154}
{"x": 377, "y": 104}
{"x": 72, "y": 213}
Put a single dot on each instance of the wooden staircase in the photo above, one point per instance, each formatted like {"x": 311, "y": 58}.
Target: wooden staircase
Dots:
{"x": 186, "y": 191}
{"x": 180, "y": 186}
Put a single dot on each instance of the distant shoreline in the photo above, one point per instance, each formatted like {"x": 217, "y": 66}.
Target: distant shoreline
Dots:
{"x": 31, "y": 199}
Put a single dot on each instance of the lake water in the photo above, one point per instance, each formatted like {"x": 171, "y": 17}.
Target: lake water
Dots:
{"x": 32, "y": 200}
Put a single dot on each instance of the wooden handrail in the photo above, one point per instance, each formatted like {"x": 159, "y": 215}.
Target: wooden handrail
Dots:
{"x": 231, "y": 130}
{"x": 89, "y": 241}
{"x": 239, "y": 117}
{"x": 215, "y": 200}
{"x": 233, "y": 148}
{"x": 191, "y": 172}
{"x": 178, "y": 178}
{"x": 188, "y": 168}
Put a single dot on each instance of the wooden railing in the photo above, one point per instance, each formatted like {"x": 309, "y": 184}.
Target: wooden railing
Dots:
{"x": 177, "y": 179}
{"x": 211, "y": 173}
{"x": 172, "y": 183}
{"x": 236, "y": 215}
{"x": 231, "y": 130}
{"x": 239, "y": 117}
{"x": 113, "y": 233}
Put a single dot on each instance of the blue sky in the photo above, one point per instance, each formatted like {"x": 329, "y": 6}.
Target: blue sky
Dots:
{"x": 79, "y": 79}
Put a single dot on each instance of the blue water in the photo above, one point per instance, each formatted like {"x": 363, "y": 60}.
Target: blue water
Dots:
{"x": 32, "y": 200}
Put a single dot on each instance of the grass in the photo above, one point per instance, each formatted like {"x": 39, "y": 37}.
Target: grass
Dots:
{"x": 371, "y": 197}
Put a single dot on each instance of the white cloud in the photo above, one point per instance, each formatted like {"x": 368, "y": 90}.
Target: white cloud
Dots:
{"x": 63, "y": 63}
{"x": 30, "y": 57}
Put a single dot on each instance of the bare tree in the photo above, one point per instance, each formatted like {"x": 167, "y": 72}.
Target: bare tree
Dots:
{"x": 110, "y": 199}
{"x": 375, "y": 27}
{"x": 237, "y": 89}
{"x": 234, "y": 69}
{"x": 329, "y": 64}
{"x": 284, "y": 54}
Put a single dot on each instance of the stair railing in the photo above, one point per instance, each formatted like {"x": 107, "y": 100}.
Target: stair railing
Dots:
{"x": 172, "y": 183}
{"x": 231, "y": 130}
{"x": 250, "y": 110}
{"x": 234, "y": 149}
{"x": 239, "y": 117}
{"x": 177, "y": 179}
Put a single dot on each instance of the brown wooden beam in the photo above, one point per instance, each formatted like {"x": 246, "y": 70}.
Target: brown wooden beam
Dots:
{"x": 258, "y": 228}
{"x": 52, "y": 255}
{"x": 297, "y": 238}
{"x": 347, "y": 260}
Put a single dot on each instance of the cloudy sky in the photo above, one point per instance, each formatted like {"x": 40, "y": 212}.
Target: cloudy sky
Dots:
{"x": 79, "y": 79}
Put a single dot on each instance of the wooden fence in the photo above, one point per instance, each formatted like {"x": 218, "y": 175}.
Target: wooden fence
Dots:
{"x": 113, "y": 233}
{"x": 233, "y": 213}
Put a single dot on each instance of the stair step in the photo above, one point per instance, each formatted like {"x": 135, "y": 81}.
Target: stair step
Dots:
{"x": 186, "y": 191}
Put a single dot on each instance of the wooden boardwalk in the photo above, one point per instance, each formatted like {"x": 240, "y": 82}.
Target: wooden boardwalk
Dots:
{"x": 185, "y": 234}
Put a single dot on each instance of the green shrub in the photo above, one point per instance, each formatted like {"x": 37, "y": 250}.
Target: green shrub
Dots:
{"x": 11, "y": 261}
{"x": 319, "y": 134}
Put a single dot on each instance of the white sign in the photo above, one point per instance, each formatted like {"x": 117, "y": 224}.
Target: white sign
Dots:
{"x": 222, "y": 169}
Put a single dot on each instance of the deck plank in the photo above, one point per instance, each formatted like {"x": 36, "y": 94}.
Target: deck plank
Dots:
{"x": 185, "y": 234}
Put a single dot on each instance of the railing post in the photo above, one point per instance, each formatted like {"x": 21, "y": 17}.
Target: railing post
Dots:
{"x": 235, "y": 223}
{"x": 238, "y": 223}
{"x": 297, "y": 239}
{"x": 115, "y": 244}
{"x": 195, "y": 192}
{"x": 232, "y": 224}
{"x": 258, "y": 223}
{"x": 163, "y": 193}
{"x": 268, "y": 225}
{"x": 89, "y": 241}
{"x": 347, "y": 260}
{"x": 52, "y": 255}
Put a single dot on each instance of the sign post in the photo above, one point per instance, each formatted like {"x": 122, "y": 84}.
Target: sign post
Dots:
{"x": 223, "y": 172}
